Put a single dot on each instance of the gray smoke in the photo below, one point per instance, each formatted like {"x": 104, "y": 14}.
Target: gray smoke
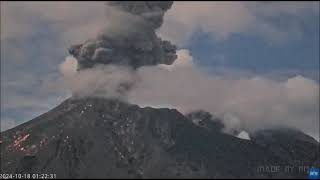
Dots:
{"x": 158, "y": 76}
{"x": 131, "y": 38}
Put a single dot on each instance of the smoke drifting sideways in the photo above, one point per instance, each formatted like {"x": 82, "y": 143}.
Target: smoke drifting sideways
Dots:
{"x": 130, "y": 38}
{"x": 129, "y": 62}
{"x": 242, "y": 103}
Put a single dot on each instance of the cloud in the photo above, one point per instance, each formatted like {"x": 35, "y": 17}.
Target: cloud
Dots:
{"x": 76, "y": 21}
{"x": 184, "y": 60}
{"x": 13, "y": 23}
{"x": 17, "y": 107}
{"x": 101, "y": 80}
{"x": 7, "y": 123}
{"x": 37, "y": 34}
{"x": 223, "y": 19}
{"x": 22, "y": 96}
{"x": 68, "y": 68}
{"x": 244, "y": 102}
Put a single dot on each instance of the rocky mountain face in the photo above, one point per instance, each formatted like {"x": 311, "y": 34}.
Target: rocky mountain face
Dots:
{"x": 104, "y": 138}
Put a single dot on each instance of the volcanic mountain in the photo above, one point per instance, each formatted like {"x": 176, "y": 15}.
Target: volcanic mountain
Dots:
{"x": 95, "y": 137}
{"x": 108, "y": 138}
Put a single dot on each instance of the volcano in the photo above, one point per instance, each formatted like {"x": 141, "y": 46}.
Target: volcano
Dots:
{"x": 108, "y": 138}
{"x": 87, "y": 136}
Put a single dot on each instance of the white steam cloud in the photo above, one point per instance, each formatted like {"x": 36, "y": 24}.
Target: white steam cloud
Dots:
{"x": 102, "y": 80}
{"x": 243, "y": 103}
{"x": 243, "y": 135}
{"x": 221, "y": 19}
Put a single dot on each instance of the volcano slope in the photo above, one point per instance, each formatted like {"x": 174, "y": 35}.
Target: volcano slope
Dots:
{"x": 105, "y": 138}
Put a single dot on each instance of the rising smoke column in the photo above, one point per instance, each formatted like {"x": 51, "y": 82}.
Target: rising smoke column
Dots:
{"x": 132, "y": 41}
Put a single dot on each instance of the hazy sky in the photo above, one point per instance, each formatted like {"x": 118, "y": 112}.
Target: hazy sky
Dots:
{"x": 278, "y": 41}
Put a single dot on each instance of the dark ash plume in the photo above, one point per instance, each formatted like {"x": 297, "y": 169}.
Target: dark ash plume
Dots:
{"x": 135, "y": 43}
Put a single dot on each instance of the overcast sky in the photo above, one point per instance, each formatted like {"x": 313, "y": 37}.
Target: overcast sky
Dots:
{"x": 278, "y": 41}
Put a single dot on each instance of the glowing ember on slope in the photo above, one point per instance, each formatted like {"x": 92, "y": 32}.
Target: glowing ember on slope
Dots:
{"x": 17, "y": 142}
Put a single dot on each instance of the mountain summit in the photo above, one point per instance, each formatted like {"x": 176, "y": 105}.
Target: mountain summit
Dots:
{"x": 107, "y": 138}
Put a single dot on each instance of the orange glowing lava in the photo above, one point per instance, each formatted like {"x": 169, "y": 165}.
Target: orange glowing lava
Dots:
{"x": 17, "y": 142}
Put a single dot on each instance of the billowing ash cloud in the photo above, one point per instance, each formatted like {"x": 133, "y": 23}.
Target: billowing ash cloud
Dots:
{"x": 151, "y": 11}
{"x": 131, "y": 38}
